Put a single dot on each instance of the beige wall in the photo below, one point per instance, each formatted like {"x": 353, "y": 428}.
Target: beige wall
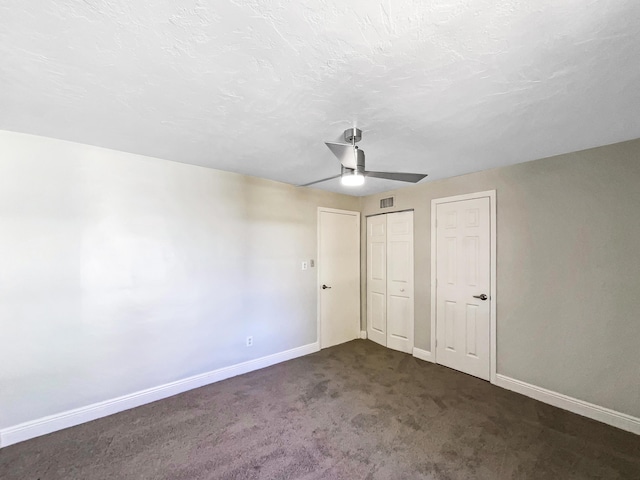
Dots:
{"x": 568, "y": 276}
{"x": 120, "y": 272}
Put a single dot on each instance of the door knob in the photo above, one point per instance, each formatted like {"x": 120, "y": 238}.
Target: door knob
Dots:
{"x": 324, "y": 287}
{"x": 481, "y": 297}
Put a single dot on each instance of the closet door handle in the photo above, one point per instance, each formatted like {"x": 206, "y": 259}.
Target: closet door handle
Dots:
{"x": 324, "y": 287}
{"x": 481, "y": 297}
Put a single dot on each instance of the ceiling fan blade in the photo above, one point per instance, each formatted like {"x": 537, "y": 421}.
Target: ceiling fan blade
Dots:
{"x": 344, "y": 153}
{"x": 318, "y": 181}
{"x": 402, "y": 177}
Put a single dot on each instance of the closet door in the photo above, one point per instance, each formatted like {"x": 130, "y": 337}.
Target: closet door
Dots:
{"x": 377, "y": 279}
{"x": 400, "y": 281}
{"x": 390, "y": 280}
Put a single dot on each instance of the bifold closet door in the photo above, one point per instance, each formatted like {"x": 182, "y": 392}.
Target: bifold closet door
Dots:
{"x": 377, "y": 279}
{"x": 390, "y": 280}
{"x": 400, "y": 281}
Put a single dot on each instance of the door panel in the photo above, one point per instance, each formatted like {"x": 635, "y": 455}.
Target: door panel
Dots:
{"x": 462, "y": 271}
{"x": 451, "y": 260}
{"x": 377, "y": 279}
{"x": 472, "y": 330}
{"x": 378, "y": 261}
{"x": 377, "y": 308}
{"x": 339, "y": 269}
{"x": 398, "y": 313}
{"x": 473, "y": 254}
{"x": 399, "y": 258}
{"x": 400, "y": 281}
{"x": 450, "y": 325}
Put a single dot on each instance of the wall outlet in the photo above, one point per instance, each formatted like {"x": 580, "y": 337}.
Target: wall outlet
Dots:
{"x": 249, "y": 341}
{"x": 304, "y": 265}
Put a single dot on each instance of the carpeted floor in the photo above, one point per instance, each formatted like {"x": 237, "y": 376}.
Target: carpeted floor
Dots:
{"x": 355, "y": 411}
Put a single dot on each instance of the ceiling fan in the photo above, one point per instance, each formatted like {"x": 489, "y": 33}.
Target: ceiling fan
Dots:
{"x": 352, "y": 160}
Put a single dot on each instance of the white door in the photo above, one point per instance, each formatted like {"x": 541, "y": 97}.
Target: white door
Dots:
{"x": 377, "y": 279}
{"x": 400, "y": 281}
{"x": 390, "y": 280}
{"x": 463, "y": 280}
{"x": 338, "y": 276}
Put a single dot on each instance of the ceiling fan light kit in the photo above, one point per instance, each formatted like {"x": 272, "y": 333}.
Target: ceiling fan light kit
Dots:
{"x": 352, "y": 160}
{"x": 351, "y": 178}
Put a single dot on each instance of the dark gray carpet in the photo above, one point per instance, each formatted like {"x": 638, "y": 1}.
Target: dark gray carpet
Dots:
{"x": 355, "y": 411}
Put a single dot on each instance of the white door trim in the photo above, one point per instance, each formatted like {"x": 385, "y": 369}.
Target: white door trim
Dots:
{"x": 319, "y": 263}
{"x": 491, "y": 194}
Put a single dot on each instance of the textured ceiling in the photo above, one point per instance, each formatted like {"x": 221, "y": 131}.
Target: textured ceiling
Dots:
{"x": 256, "y": 87}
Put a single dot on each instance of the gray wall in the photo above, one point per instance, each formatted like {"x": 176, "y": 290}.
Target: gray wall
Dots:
{"x": 568, "y": 275}
{"x": 120, "y": 272}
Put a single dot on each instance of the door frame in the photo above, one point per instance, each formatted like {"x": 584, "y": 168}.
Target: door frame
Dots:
{"x": 319, "y": 269}
{"x": 493, "y": 297}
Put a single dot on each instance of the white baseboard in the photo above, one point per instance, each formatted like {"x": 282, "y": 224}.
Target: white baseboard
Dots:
{"x": 363, "y": 334}
{"x": 70, "y": 418}
{"x": 586, "y": 409}
{"x": 425, "y": 355}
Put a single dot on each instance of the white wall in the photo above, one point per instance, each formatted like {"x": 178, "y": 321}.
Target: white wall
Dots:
{"x": 120, "y": 272}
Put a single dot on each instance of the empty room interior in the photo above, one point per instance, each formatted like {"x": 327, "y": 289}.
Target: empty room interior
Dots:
{"x": 320, "y": 239}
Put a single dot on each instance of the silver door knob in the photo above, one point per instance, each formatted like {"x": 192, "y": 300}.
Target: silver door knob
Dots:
{"x": 481, "y": 297}
{"x": 324, "y": 287}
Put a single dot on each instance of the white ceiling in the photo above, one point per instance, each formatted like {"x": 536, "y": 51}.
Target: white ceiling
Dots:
{"x": 443, "y": 87}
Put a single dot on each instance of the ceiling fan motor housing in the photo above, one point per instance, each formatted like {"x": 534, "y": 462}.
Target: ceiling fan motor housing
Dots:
{"x": 359, "y": 163}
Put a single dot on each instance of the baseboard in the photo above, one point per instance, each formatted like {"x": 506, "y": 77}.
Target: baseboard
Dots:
{"x": 425, "y": 355}
{"x": 586, "y": 409}
{"x": 363, "y": 334}
{"x": 70, "y": 418}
